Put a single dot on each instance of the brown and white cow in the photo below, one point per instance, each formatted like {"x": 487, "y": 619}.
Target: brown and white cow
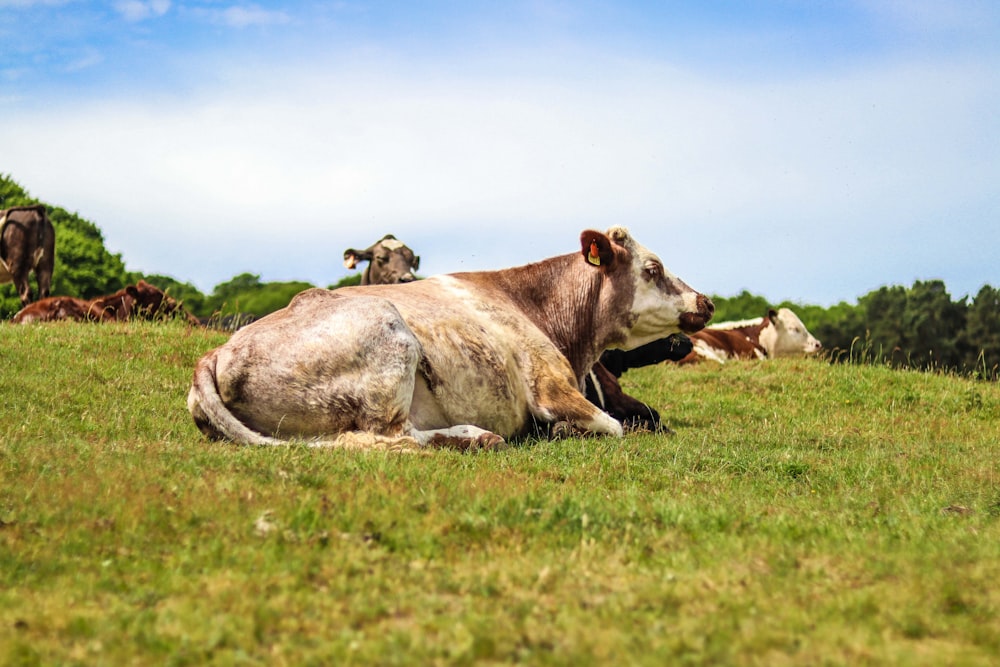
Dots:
{"x": 780, "y": 334}
{"x": 140, "y": 301}
{"x": 389, "y": 261}
{"x": 461, "y": 360}
{"x": 27, "y": 243}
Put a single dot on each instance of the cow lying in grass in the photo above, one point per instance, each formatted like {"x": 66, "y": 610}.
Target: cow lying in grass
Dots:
{"x": 463, "y": 360}
{"x": 780, "y": 334}
{"x": 139, "y": 301}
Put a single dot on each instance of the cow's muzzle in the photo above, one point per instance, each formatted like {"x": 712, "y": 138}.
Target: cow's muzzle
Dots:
{"x": 696, "y": 320}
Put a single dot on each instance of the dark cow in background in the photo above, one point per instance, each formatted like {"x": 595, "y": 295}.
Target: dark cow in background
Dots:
{"x": 139, "y": 301}
{"x": 27, "y": 243}
{"x": 389, "y": 261}
{"x": 779, "y": 334}
{"x": 603, "y": 389}
{"x": 462, "y": 360}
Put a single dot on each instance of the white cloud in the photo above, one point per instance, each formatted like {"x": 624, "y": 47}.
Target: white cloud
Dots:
{"x": 242, "y": 16}
{"x": 25, "y": 4}
{"x": 90, "y": 57}
{"x": 935, "y": 16}
{"x": 721, "y": 179}
{"x": 141, "y": 10}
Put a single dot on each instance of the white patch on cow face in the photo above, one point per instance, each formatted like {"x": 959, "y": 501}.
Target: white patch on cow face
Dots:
{"x": 788, "y": 336}
{"x": 660, "y": 298}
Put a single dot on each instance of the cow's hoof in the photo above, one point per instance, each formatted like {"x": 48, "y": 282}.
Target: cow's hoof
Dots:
{"x": 467, "y": 442}
{"x": 646, "y": 426}
{"x": 490, "y": 442}
{"x": 561, "y": 430}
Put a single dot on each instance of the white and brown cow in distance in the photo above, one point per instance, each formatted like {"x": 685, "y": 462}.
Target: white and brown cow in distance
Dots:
{"x": 389, "y": 261}
{"x": 140, "y": 301}
{"x": 462, "y": 360}
{"x": 780, "y": 334}
{"x": 27, "y": 243}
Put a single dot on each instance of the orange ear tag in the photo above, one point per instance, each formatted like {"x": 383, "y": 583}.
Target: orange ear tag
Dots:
{"x": 594, "y": 257}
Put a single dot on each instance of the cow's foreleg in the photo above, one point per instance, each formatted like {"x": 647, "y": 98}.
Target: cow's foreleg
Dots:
{"x": 556, "y": 400}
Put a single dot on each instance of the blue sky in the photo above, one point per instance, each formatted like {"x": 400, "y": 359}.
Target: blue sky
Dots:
{"x": 811, "y": 151}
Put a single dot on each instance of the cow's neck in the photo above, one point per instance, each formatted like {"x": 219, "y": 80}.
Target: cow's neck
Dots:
{"x": 565, "y": 303}
{"x": 758, "y": 331}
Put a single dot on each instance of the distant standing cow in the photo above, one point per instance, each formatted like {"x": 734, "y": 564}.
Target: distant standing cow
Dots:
{"x": 389, "y": 262}
{"x": 27, "y": 243}
{"x": 780, "y": 334}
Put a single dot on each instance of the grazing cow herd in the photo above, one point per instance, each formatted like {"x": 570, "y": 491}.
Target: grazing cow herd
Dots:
{"x": 465, "y": 360}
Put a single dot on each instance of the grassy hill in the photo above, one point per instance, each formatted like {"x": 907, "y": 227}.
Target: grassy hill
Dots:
{"x": 803, "y": 514}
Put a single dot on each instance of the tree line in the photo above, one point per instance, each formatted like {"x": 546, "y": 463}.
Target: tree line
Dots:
{"x": 920, "y": 326}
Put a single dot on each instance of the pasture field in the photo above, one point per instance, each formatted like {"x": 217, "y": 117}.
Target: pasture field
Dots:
{"x": 803, "y": 514}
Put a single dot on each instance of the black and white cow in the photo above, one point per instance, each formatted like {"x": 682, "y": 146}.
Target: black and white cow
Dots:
{"x": 461, "y": 360}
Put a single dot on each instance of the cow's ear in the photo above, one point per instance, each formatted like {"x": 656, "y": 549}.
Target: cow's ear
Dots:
{"x": 132, "y": 291}
{"x": 772, "y": 315}
{"x": 596, "y": 248}
{"x": 352, "y": 257}
{"x": 416, "y": 262}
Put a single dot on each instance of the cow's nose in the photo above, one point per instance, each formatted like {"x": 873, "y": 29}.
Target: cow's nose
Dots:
{"x": 692, "y": 322}
{"x": 705, "y": 305}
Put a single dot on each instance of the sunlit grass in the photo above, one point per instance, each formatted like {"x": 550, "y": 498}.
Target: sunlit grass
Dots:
{"x": 803, "y": 514}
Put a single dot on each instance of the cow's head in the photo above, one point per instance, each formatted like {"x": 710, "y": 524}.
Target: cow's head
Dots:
{"x": 787, "y": 336}
{"x": 389, "y": 261}
{"x": 661, "y": 303}
{"x": 150, "y": 302}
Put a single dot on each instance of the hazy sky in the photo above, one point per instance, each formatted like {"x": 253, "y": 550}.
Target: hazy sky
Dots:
{"x": 811, "y": 151}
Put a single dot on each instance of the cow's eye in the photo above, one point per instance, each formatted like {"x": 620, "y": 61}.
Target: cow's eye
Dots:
{"x": 653, "y": 271}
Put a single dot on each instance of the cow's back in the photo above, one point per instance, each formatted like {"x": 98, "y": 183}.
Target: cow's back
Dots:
{"x": 722, "y": 345}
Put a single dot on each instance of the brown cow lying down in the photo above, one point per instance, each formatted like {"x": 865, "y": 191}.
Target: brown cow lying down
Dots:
{"x": 780, "y": 334}
{"x": 139, "y": 301}
{"x": 462, "y": 360}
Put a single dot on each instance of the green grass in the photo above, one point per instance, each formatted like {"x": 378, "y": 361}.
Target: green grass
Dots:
{"x": 803, "y": 514}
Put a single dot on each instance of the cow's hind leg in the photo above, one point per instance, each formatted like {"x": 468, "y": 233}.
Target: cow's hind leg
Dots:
{"x": 43, "y": 276}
